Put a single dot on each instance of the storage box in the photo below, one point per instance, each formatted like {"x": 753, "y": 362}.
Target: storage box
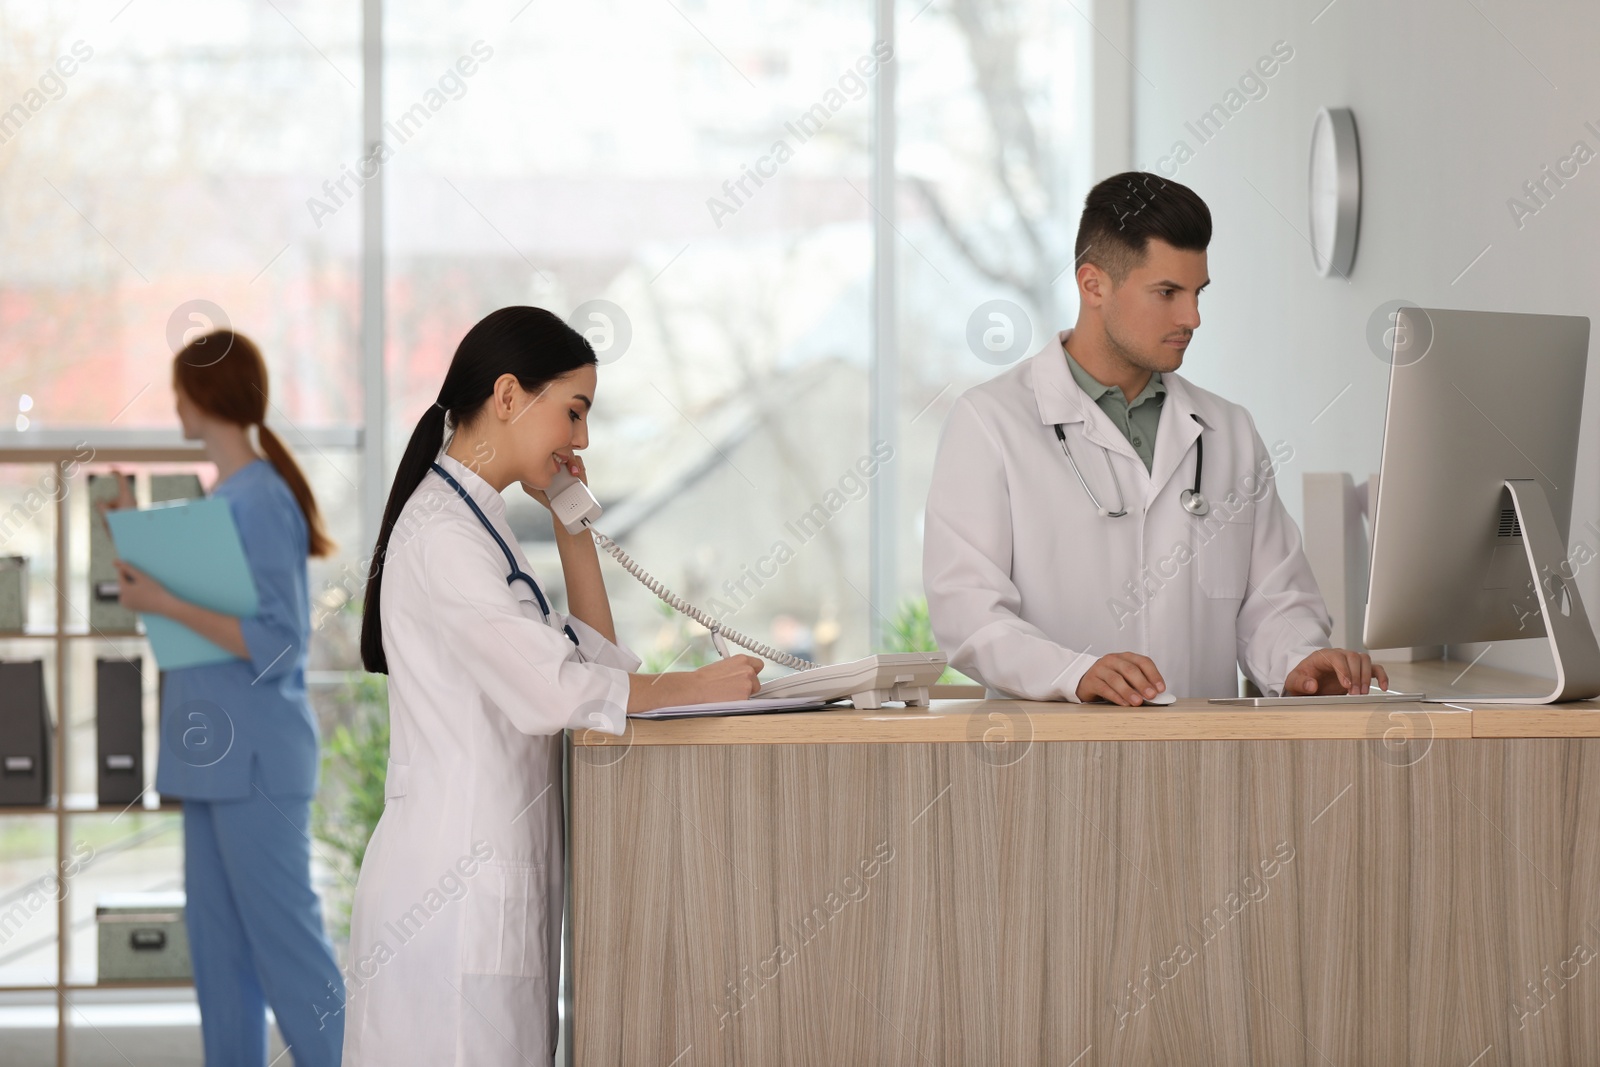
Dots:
{"x": 119, "y": 730}
{"x": 142, "y": 937}
{"x": 24, "y": 735}
{"x": 165, "y": 487}
{"x": 106, "y": 612}
{"x": 13, "y": 594}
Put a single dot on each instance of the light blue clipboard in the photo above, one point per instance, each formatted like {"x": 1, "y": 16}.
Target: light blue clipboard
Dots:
{"x": 192, "y": 547}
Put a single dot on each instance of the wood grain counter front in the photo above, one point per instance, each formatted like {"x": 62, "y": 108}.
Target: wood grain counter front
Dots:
{"x": 1002, "y": 882}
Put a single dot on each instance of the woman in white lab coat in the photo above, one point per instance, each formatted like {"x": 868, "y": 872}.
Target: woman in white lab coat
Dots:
{"x": 455, "y": 933}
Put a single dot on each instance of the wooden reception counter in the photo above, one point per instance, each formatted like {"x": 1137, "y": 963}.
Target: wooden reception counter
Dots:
{"x": 1017, "y": 883}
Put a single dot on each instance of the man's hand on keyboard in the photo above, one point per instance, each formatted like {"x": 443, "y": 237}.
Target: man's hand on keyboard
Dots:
{"x": 1334, "y": 670}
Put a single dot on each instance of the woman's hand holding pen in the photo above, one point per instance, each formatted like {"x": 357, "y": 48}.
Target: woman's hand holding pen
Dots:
{"x": 733, "y": 678}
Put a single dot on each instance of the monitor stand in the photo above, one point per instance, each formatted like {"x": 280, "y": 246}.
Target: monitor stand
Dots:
{"x": 1566, "y": 624}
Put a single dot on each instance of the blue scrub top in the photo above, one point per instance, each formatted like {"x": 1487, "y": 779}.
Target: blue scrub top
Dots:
{"x": 228, "y": 727}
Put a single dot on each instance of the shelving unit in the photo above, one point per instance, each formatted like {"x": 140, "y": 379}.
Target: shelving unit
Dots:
{"x": 60, "y": 449}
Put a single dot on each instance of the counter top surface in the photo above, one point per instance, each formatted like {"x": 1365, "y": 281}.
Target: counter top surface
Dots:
{"x": 1021, "y": 721}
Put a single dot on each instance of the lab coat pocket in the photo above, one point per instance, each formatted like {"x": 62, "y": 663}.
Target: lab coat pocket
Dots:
{"x": 1222, "y": 554}
{"x": 504, "y": 1022}
{"x": 527, "y": 603}
{"x": 505, "y": 926}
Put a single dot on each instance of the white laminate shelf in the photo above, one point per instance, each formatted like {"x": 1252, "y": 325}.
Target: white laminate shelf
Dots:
{"x": 153, "y": 446}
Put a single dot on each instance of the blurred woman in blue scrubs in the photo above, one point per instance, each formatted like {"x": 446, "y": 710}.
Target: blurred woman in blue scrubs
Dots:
{"x": 239, "y": 740}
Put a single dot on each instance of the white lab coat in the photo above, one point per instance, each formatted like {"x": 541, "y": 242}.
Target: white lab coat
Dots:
{"x": 1027, "y": 585}
{"x": 455, "y": 934}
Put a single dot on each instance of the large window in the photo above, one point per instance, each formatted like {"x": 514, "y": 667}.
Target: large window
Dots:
{"x": 688, "y": 183}
{"x": 991, "y": 167}
{"x": 156, "y": 160}
{"x": 691, "y": 183}
{"x": 159, "y": 171}
{"x": 155, "y": 164}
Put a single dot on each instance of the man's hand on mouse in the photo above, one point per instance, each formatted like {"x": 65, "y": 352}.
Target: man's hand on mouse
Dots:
{"x": 1125, "y": 678}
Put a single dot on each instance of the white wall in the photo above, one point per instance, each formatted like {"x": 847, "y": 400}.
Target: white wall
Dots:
{"x": 1454, "y": 115}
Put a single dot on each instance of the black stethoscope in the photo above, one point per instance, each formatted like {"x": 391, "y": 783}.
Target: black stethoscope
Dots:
{"x": 517, "y": 573}
{"x": 1193, "y": 501}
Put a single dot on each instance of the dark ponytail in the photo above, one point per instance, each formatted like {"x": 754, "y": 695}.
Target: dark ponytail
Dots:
{"x": 528, "y": 342}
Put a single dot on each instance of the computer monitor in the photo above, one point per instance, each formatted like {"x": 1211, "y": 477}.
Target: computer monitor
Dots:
{"x": 1480, "y": 446}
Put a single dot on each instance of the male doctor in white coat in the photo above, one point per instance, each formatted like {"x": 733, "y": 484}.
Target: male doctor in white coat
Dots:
{"x": 1067, "y": 554}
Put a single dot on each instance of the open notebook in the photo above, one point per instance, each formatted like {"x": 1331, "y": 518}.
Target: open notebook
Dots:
{"x": 753, "y": 706}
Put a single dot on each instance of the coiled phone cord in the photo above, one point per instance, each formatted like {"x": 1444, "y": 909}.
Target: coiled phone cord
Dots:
{"x": 678, "y": 603}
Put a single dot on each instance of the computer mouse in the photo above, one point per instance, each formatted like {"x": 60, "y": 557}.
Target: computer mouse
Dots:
{"x": 1162, "y": 698}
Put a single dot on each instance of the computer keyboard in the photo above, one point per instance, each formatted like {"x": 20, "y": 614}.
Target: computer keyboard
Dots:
{"x": 1377, "y": 696}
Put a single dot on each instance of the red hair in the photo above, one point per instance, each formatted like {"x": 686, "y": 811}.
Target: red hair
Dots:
{"x": 224, "y": 375}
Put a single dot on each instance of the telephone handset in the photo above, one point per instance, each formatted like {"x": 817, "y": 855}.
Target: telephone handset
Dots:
{"x": 868, "y": 683}
{"x": 571, "y": 501}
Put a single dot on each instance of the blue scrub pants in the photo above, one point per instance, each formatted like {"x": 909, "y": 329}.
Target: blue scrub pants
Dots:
{"x": 256, "y": 934}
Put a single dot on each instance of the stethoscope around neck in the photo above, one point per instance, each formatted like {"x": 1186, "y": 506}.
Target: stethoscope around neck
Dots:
{"x": 517, "y": 573}
{"x": 1193, "y": 501}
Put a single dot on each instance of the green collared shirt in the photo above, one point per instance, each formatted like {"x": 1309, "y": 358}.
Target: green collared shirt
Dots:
{"x": 1137, "y": 420}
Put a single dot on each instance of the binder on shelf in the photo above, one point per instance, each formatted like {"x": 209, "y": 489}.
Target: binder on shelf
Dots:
{"x": 24, "y": 735}
{"x": 119, "y": 730}
{"x": 105, "y": 611}
{"x": 167, "y": 487}
{"x": 194, "y": 550}
{"x": 13, "y": 594}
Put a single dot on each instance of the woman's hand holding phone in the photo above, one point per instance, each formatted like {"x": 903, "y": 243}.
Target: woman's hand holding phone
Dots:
{"x": 572, "y": 468}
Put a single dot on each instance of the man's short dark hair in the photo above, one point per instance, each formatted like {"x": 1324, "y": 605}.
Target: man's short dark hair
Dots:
{"x": 1122, "y": 213}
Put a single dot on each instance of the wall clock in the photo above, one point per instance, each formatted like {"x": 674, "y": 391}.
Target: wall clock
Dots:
{"x": 1335, "y": 188}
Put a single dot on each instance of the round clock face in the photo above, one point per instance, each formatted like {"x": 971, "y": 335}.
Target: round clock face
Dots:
{"x": 1324, "y": 192}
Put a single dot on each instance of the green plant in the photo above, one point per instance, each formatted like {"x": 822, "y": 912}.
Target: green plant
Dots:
{"x": 911, "y": 631}
{"x": 355, "y": 764}
{"x": 676, "y": 634}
